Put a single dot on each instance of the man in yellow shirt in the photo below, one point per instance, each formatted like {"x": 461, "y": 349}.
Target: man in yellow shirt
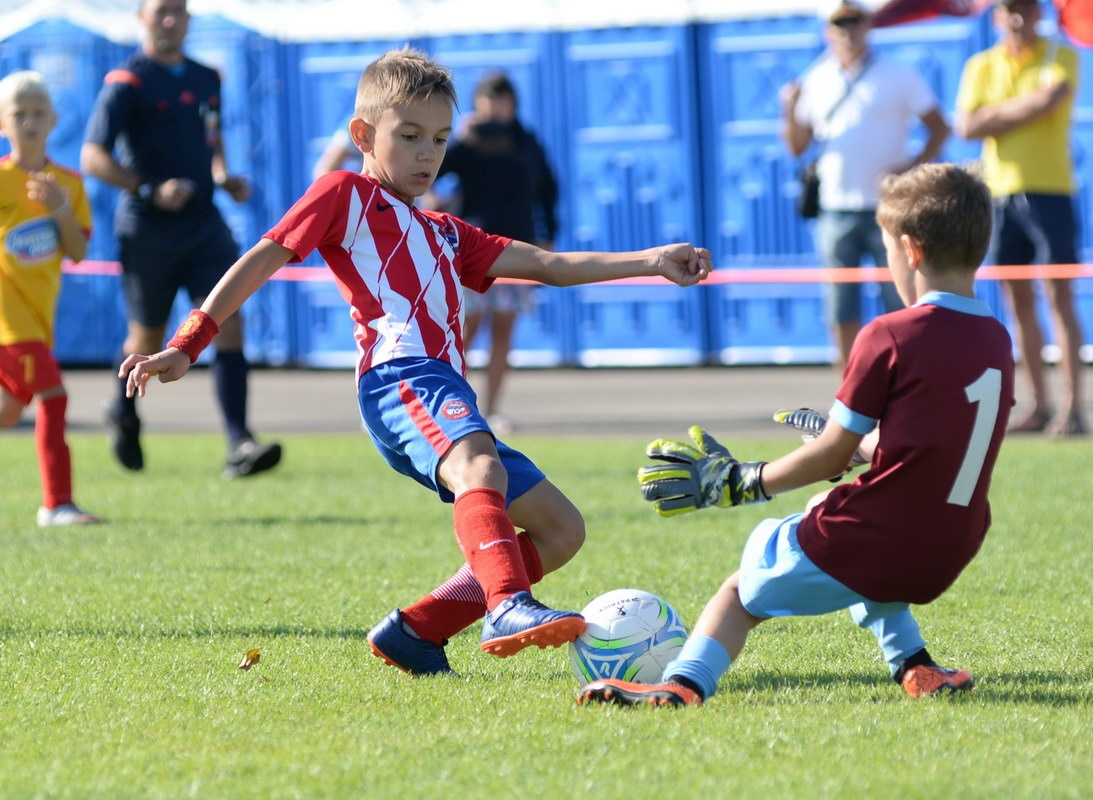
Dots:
{"x": 1018, "y": 97}
{"x": 44, "y": 216}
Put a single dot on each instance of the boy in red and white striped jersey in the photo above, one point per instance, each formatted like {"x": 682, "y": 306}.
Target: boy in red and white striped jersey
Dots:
{"x": 403, "y": 271}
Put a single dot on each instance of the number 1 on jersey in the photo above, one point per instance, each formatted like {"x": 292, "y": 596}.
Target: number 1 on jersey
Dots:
{"x": 985, "y": 392}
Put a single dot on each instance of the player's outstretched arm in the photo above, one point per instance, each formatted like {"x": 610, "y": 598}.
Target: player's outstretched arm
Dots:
{"x": 817, "y": 460}
{"x": 811, "y": 423}
{"x": 681, "y": 263}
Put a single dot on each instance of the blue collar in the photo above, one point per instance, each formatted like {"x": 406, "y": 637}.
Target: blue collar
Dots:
{"x": 956, "y": 302}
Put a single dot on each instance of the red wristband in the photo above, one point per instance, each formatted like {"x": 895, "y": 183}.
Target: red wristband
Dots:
{"x": 195, "y": 334}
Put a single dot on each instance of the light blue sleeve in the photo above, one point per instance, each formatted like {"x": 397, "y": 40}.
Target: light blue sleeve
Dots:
{"x": 851, "y": 420}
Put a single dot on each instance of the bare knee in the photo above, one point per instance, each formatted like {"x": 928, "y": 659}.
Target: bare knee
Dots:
{"x": 472, "y": 463}
{"x": 559, "y": 537}
{"x": 9, "y": 415}
{"x": 10, "y": 409}
{"x": 569, "y": 531}
{"x": 554, "y": 524}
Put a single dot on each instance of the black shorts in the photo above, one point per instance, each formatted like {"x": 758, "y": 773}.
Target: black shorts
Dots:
{"x": 1034, "y": 229}
{"x": 162, "y": 258}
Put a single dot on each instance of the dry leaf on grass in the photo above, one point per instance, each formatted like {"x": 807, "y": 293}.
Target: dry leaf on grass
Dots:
{"x": 250, "y": 658}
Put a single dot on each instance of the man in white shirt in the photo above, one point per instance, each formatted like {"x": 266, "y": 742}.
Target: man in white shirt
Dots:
{"x": 860, "y": 108}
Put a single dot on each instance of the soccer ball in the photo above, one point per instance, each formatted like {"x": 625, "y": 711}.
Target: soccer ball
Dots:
{"x": 631, "y": 635}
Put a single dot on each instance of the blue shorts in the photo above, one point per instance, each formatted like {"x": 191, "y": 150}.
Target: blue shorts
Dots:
{"x": 845, "y": 237}
{"x": 1034, "y": 228}
{"x": 415, "y": 409}
{"x": 777, "y": 579}
{"x": 163, "y": 257}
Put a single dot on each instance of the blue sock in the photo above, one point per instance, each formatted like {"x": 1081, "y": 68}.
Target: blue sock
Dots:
{"x": 230, "y": 381}
{"x": 702, "y": 661}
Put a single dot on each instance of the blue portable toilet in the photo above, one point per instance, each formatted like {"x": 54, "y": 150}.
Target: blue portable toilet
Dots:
{"x": 529, "y": 59}
{"x": 628, "y": 102}
{"x": 751, "y": 205}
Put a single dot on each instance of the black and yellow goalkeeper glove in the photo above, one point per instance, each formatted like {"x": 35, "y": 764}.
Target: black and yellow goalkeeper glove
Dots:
{"x": 698, "y": 476}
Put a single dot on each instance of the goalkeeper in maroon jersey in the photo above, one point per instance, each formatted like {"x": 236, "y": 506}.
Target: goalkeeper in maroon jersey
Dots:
{"x": 925, "y": 398}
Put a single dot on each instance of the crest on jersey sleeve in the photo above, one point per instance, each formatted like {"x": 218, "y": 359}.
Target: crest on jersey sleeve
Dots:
{"x": 449, "y": 231}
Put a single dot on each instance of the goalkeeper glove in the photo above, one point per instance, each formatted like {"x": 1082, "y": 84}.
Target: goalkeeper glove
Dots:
{"x": 810, "y": 423}
{"x": 698, "y": 476}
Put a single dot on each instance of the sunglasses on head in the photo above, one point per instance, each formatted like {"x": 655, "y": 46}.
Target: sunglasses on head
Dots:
{"x": 848, "y": 22}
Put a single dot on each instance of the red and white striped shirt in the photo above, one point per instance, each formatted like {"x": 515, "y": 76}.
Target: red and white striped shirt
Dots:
{"x": 400, "y": 269}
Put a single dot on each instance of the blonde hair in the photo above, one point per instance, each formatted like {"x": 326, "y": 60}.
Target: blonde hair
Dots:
{"x": 23, "y": 83}
{"x": 401, "y": 76}
{"x": 945, "y": 207}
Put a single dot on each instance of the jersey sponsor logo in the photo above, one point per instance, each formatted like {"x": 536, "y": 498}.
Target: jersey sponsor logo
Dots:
{"x": 455, "y": 409}
{"x": 33, "y": 242}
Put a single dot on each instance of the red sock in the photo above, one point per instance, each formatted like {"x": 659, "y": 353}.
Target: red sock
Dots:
{"x": 460, "y": 601}
{"x": 54, "y": 459}
{"x": 488, "y": 541}
{"x": 532, "y": 563}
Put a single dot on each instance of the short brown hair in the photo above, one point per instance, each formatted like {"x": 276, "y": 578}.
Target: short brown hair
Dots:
{"x": 945, "y": 207}
{"x": 493, "y": 84}
{"x": 401, "y": 76}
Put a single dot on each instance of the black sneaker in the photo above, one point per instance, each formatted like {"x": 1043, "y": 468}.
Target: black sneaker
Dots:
{"x": 248, "y": 457}
{"x": 124, "y": 434}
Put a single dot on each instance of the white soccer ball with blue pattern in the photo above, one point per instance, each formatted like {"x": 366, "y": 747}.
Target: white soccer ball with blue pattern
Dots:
{"x": 631, "y": 635}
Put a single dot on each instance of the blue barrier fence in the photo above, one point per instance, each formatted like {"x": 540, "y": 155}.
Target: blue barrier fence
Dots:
{"x": 657, "y": 133}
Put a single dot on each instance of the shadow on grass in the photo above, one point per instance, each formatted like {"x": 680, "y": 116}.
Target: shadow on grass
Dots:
{"x": 1019, "y": 688}
{"x": 270, "y": 522}
{"x": 1036, "y": 687}
{"x": 198, "y": 632}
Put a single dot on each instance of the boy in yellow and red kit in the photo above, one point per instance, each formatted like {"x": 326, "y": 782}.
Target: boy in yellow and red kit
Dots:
{"x": 44, "y": 216}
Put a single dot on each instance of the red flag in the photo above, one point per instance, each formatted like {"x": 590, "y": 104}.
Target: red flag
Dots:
{"x": 897, "y": 12}
{"x": 1076, "y": 18}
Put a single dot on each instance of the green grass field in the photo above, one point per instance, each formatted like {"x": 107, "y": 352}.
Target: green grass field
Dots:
{"x": 120, "y": 644}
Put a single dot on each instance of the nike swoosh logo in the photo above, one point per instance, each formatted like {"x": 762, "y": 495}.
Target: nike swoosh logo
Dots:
{"x": 383, "y": 206}
{"x": 494, "y": 543}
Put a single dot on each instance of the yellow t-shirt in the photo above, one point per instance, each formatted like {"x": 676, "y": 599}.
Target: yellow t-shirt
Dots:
{"x": 1034, "y": 157}
{"x": 30, "y": 260}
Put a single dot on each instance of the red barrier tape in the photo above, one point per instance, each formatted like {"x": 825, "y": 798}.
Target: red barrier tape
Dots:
{"x": 769, "y": 275}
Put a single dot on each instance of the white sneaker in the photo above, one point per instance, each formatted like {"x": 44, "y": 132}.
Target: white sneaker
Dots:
{"x": 67, "y": 514}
